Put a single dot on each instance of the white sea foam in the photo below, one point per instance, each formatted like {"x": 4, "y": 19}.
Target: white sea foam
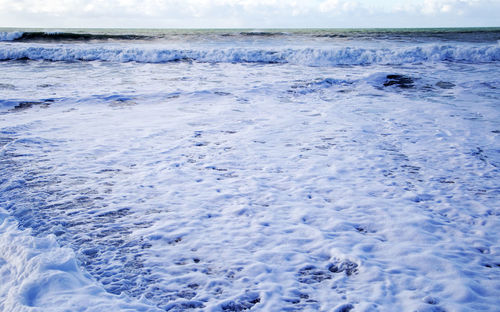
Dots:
{"x": 38, "y": 275}
{"x": 308, "y": 56}
{"x": 229, "y": 185}
{"x": 10, "y": 36}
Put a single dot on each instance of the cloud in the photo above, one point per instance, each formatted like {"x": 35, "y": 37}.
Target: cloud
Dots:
{"x": 441, "y": 6}
{"x": 436, "y": 7}
{"x": 248, "y": 13}
{"x": 328, "y": 5}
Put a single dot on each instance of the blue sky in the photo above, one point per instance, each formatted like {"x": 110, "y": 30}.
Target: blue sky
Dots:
{"x": 249, "y": 13}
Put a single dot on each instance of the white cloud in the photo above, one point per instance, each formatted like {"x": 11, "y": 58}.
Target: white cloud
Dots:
{"x": 350, "y": 6}
{"x": 433, "y": 7}
{"x": 328, "y": 5}
{"x": 247, "y": 13}
{"x": 436, "y": 6}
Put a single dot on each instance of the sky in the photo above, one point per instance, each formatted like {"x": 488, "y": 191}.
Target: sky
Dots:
{"x": 248, "y": 13}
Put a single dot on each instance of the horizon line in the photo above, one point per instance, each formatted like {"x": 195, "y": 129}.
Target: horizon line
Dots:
{"x": 254, "y": 28}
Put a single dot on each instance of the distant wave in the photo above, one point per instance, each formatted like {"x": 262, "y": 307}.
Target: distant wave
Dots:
{"x": 309, "y": 56}
{"x": 64, "y": 36}
{"x": 10, "y": 36}
{"x": 410, "y": 35}
{"x": 262, "y": 33}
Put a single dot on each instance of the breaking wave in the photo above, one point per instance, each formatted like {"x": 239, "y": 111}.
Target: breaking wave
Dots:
{"x": 10, "y": 36}
{"x": 477, "y": 35}
{"x": 65, "y": 36}
{"x": 307, "y": 56}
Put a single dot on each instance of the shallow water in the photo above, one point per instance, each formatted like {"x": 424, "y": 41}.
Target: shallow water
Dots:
{"x": 235, "y": 170}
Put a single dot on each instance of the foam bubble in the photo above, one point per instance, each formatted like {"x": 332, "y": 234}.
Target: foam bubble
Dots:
{"x": 38, "y": 273}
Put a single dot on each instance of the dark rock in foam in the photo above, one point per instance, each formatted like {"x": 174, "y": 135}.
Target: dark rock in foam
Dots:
{"x": 400, "y": 81}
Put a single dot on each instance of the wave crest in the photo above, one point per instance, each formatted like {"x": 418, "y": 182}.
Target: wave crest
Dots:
{"x": 309, "y": 57}
{"x": 10, "y": 36}
{"x": 39, "y": 36}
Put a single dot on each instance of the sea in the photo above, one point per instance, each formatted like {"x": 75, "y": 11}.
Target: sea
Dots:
{"x": 250, "y": 169}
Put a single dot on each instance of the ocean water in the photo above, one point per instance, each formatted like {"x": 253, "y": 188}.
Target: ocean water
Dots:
{"x": 259, "y": 170}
